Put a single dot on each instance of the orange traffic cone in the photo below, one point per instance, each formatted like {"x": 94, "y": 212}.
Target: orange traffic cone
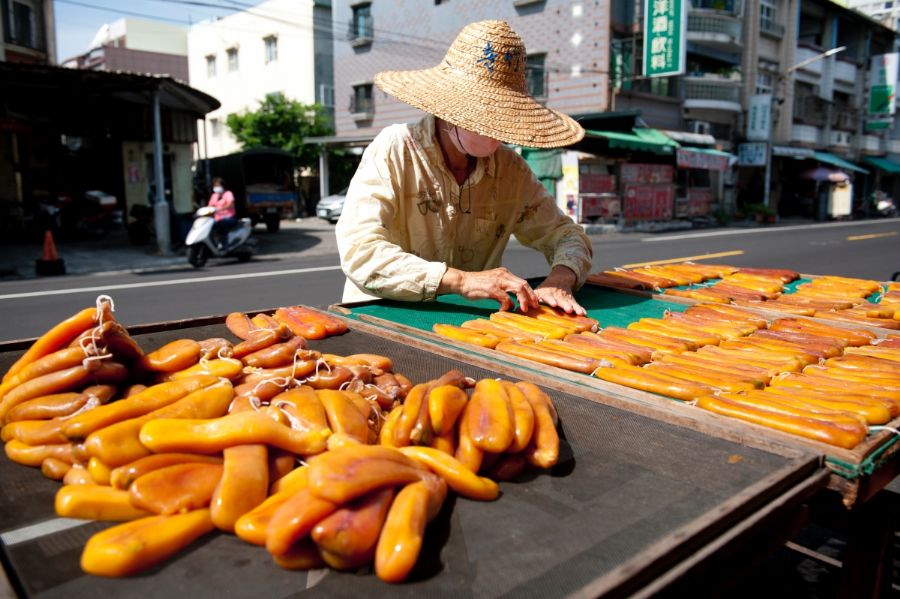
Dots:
{"x": 49, "y": 263}
{"x": 49, "y": 248}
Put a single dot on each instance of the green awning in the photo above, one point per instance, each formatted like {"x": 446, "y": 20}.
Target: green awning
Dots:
{"x": 885, "y": 164}
{"x": 829, "y": 158}
{"x": 641, "y": 139}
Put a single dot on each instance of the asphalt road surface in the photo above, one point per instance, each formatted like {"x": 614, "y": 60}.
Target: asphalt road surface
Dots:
{"x": 868, "y": 249}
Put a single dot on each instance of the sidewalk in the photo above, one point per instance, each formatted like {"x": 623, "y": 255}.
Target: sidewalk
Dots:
{"x": 114, "y": 253}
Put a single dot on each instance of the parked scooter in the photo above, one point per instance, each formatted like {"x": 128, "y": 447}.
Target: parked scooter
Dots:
{"x": 201, "y": 244}
{"x": 886, "y": 207}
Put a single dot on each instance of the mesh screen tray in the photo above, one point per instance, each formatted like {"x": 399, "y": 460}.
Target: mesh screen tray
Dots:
{"x": 630, "y": 498}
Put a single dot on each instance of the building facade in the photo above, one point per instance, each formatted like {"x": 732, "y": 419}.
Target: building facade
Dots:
{"x": 886, "y": 13}
{"x": 567, "y": 44}
{"x": 277, "y": 47}
{"x": 137, "y": 46}
{"x": 28, "y": 32}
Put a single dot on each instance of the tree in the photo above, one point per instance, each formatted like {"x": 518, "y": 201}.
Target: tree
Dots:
{"x": 282, "y": 123}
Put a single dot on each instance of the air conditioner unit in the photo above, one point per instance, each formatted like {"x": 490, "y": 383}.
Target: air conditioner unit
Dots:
{"x": 702, "y": 127}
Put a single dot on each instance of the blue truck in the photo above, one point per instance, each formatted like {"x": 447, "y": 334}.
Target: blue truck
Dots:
{"x": 263, "y": 183}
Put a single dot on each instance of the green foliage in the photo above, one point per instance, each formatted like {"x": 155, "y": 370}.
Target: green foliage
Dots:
{"x": 760, "y": 208}
{"x": 282, "y": 123}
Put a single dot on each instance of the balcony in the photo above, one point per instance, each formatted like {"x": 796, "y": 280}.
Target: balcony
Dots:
{"x": 871, "y": 143}
{"x": 712, "y": 93}
{"x": 844, "y": 118}
{"x": 844, "y": 71}
{"x": 361, "y": 30}
{"x": 809, "y": 110}
{"x": 805, "y": 134}
{"x": 715, "y": 29}
{"x": 771, "y": 28}
{"x": 803, "y": 53}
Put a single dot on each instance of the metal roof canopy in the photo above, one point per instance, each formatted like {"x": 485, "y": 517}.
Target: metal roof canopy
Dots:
{"x": 883, "y": 163}
{"x": 829, "y": 158}
{"x": 641, "y": 139}
{"x": 129, "y": 87}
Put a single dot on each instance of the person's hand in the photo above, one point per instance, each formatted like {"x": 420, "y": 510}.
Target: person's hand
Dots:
{"x": 556, "y": 291}
{"x": 496, "y": 283}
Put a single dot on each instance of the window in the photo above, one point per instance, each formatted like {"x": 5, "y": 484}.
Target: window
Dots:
{"x": 22, "y": 26}
{"x": 211, "y": 66}
{"x": 535, "y": 75}
{"x": 767, "y": 15}
{"x": 325, "y": 97}
{"x": 362, "y": 102}
{"x": 764, "y": 83}
{"x": 271, "y": 48}
{"x": 232, "y": 59}
{"x": 215, "y": 127}
{"x": 361, "y": 29}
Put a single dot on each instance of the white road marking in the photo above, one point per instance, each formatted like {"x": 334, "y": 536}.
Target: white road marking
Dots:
{"x": 41, "y": 529}
{"x": 249, "y": 275}
{"x": 760, "y": 230}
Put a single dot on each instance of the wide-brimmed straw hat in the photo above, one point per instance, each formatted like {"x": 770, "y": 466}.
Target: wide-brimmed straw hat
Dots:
{"x": 480, "y": 86}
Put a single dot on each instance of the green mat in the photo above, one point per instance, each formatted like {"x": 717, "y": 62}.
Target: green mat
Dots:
{"x": 610, "y": 308}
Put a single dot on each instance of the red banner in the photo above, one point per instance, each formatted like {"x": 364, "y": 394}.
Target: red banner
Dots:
{"x": 588, "y": 183}
{"x": 647, "y": 173}
{"x": 649, "y": 201}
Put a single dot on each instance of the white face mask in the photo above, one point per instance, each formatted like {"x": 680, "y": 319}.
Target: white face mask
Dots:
{"x": 471, "y": 144}
{"x": 218, "y": 189}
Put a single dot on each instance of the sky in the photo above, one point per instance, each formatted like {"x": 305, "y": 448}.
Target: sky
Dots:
{"x": 77, "y": 21}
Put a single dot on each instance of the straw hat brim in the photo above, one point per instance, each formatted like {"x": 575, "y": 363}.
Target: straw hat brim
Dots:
{"x": 498, "y": 112}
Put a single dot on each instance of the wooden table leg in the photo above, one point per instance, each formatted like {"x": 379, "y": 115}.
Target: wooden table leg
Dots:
{"x": 867, "y": 561}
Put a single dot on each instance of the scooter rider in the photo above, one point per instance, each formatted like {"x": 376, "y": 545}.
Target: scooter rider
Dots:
{"x": 223, "y": 201}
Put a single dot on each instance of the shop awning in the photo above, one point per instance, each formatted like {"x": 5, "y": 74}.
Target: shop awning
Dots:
{"x": 885, "y": 164}
{"x": 640, "y": 139}
{"x": 703, "y": 158}
{"x": 829, "y": 158}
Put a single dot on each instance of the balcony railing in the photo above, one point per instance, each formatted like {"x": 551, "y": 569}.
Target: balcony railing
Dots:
{"x": 730, "y": 6}
{"x": 712, "y": 88}
{"x": 702, "y": 26}
{"x": 844, "y": 117}
{"x": 361, "y": 30}
{"x": 771, "y": 27}
{"x": 809, "y": 110}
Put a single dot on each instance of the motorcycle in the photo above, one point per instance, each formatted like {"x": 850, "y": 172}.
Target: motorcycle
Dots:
{"x": 886, "y": 207}
{"x": 202, "y": 245}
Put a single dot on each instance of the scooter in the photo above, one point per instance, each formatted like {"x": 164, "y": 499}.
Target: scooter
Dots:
{"x": 201, "y": 246}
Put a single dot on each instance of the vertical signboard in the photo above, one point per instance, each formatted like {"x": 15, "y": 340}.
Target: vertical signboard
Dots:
{"x": 882, "y": 91}
{"x": 759, "y": 117}
{"x": 883, "y": 84}
{"x": 665, "y": 23}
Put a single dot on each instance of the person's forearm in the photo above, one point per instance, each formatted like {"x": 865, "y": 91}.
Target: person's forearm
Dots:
{"x": 451, "y": 282}
{"x": 563, "y": 277}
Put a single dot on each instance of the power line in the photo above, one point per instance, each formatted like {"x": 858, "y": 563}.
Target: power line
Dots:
{"x": 324, "y": 31}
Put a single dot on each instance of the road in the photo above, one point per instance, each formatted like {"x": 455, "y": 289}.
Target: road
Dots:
{"x": 868, "y": 249}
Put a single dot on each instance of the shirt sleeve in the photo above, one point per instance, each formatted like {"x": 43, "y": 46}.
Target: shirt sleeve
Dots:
{"x": 371, "y": 257}
{"x": 541, "y": 225}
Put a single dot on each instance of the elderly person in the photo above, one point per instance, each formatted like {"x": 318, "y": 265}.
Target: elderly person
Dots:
{"x": 433, "y": 204}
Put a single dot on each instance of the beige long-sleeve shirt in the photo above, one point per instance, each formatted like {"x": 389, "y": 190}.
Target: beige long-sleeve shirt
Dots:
{"x": 406, "y": 219}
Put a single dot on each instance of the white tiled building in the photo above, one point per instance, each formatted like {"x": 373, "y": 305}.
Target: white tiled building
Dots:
{"x": 279, "y": 46}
